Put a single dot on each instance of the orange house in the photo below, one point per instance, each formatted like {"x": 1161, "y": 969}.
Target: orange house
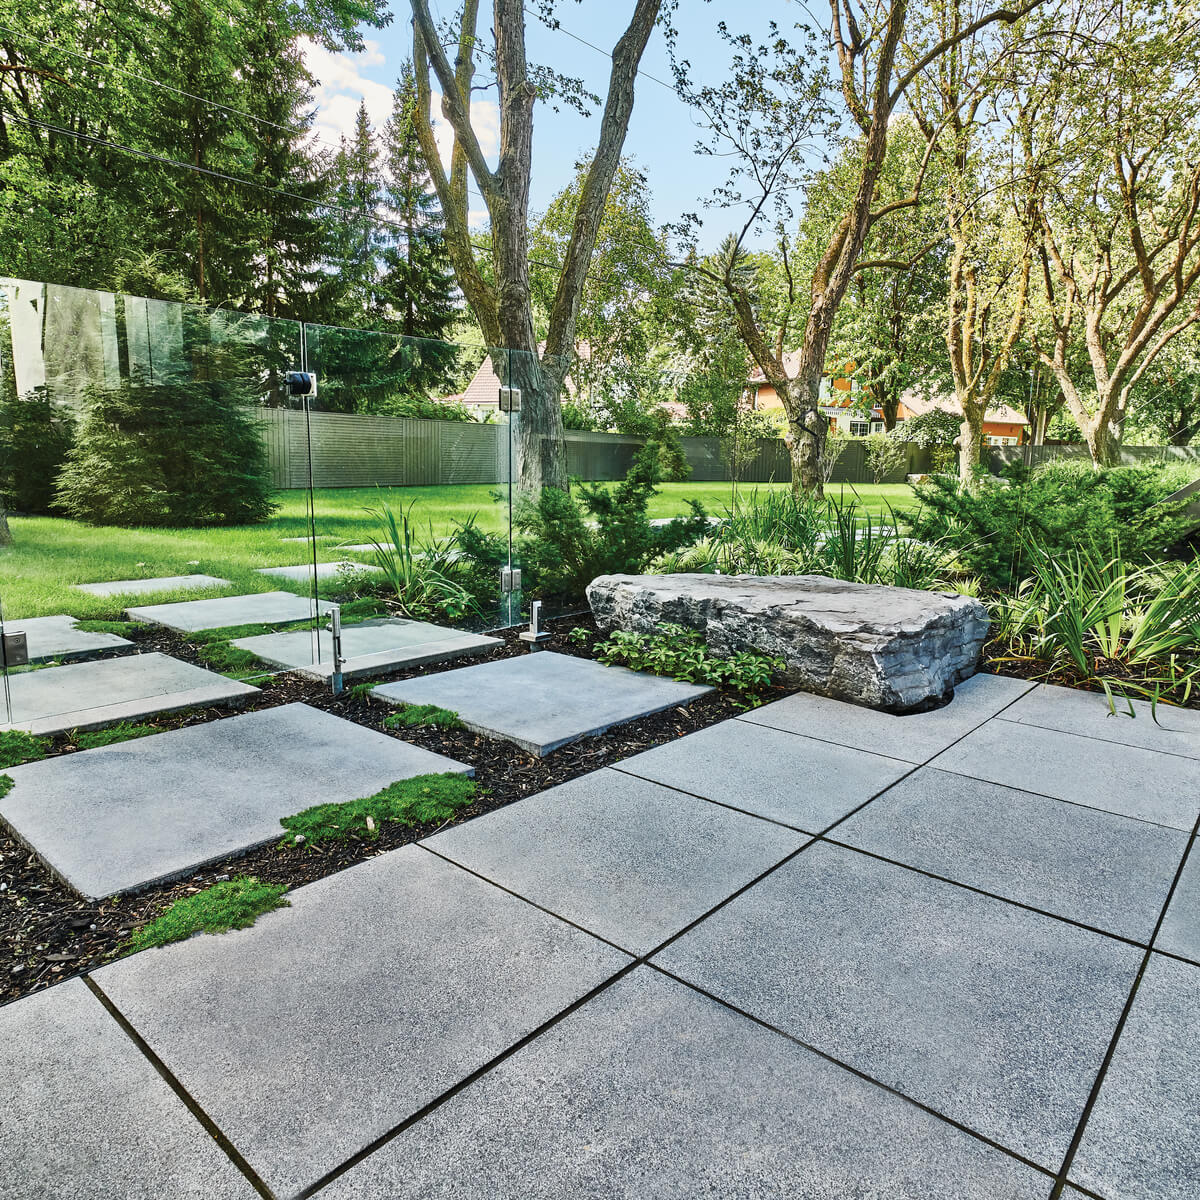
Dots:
{"x": 841, "y": 399}
{"x": 1003, "y": 425}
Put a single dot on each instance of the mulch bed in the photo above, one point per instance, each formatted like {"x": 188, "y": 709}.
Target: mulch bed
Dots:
{"x": 49, "y": 933}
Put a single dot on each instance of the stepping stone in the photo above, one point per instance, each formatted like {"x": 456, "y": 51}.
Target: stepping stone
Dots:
{"x": 652, "y": 1090}
{"x": 259, "y": 608}
{"x": 1141, "y": 1137}
{"x": 996, "y": 1017}
{"x": 86, "y": 695}
{"x": 795, "y": 780}
{"x": 86, "y": 1114}
{"x": 125, "y": 816}
{"x": 326, "y": 1024}
{"x": 1100, "y": 869}
{"x": 914, "y": 738}
{"x": 545, "y": 700}
{"x": 141, "y": 587}
{"x": 51, "y": 638}
{"x": 321, "y": 537}
{"x": 1146, "y": 784}
{"x": 370, "y": 647}
{"x": 624, "y": 858}
{"x": 1180, "y": 932}
{"x": 361, "y": 548}
{"x": 325, "y": 570}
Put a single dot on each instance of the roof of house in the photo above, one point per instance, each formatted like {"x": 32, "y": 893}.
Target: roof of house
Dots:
{"x": 919, "y": 402}
{"x": 484, "y": 389}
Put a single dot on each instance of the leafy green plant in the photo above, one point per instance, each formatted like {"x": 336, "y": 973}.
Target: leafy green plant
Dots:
{"x": 579, "y": 636}
{"x": 232, "y": 904}
{"x": 430, "y": 715}
{"x": 884, "y": 455}
{"x": 92, "y": 739}
{"x": 422, "y": 800}
{"x": 17, "y": 746}
{"x": 6, "y": 785}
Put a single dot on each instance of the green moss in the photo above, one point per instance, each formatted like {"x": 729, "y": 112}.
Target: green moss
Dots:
{"x": 120, "y": 628}
{"x": 234, "y": 904}
{"x": 227, "y": 659}
{"x": 124, "y": 732}
{"x": 6, "y": 784}
{"x": 423, "y": 714}
{"x": 17, "y": 746}
{"x": 423, "y": 800}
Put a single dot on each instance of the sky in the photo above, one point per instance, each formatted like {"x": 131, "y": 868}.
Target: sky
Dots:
{"x": 663, "y": 131}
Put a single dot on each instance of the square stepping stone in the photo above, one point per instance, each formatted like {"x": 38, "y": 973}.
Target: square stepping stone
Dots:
{"x": 795, "y": 780}
{"x": 545, "y": 700}
{"x": 303, "y": 571}
{"x": 1146, "y": 784}
{"x": 996, "y": 1017}
{"x": 914, "y": 738}
{"x": 1140, "y": 1139}
{"x": 370, "y": 647}
{"x": 361, "y": 547}
{"x": 143, "y": 587}
{"x": 1180, "y": 932}
{"x": 1155, "y": 727}
{"x": 259, "y": 608}
{"x": 86, "y": 1114}
{"x": 326, "y": 1024}
{"x": 625, "y": 858}
{"x": 652, "y": 1090}
{"x": 124, "y": 816}
{"x": 1110, "y": 872}
{"x": 85, "y": 695}
{"x": 51, "y": 638}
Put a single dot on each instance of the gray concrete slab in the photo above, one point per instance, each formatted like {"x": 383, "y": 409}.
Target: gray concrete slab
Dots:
{"x": 321, "y": 1028}
{"x": 58, "y": 638}
{"x": 143, "y": 587}
{"x": 124, "y": 816}
{"x": 1154, "y": 727}
{"x": 259, "y": 608}
{"x": 800, "y": 781}
{"x": 1145, "y": 784}
{"x": 86, "y": 695}
{"x": 370, "y": 647}
{"x": 1140, "y": 1140}
{"x": 652, "y": 1090}
{"x": 1180, "y": 932}
{"x": 545, "y": 700}
{"x": 993, "y": 1015}
{"x": 1110, "y": 872}
{"x": 915, "y": 738}
{"x": 325, "y": 570}
{"x": 85, "y": 1114}
{"x": 625, "y": 858}
{"x": 361, "y": 547}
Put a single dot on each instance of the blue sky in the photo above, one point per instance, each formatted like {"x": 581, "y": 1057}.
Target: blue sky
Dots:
{"x": 663, "y": 131}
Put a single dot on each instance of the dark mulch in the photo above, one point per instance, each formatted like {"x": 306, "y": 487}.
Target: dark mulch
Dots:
{"x": 48, "y": 933}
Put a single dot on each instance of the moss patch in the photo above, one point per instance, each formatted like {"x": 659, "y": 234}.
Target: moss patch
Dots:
{"x": 423, "y": 714}
{"x": 6, "y": 785}
{"x": 423, "y": 800}
{"x": 120, "y": 628}
{"x": 233, "y": 904}
{"x": 91, "y": 739}
{"x": 18, "y": 747}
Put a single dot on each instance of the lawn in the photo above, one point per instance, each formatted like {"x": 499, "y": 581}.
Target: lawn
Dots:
{"x": 48, "y": 554}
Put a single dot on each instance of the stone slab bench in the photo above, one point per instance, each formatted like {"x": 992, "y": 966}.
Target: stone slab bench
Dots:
{"x": 889, "y": 648}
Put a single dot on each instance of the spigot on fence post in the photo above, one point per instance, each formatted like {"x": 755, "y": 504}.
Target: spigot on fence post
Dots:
{"x": 535, "y": 635}
{"x": 335, "y": 629}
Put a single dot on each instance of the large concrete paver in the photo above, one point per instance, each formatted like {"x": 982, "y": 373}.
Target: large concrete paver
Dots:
{"x": 545, "y": 700}
{"x": 1140, "y": 1140}
{"x": 144, "y": 587}
{"x": 1110, "y": 872}
{"x": 993, "y": 1015}
{"x": 798, "y": 781}
{"x": 257, "y": 608}
{"x": 1131, "y": 781}
{"x": 623, "y": 857}
{"x": 50, "y": 638}
{"x": 1180, "y": 932}
{"x": 914, "y": 738}
{"x": 315, "y": 1032}
{"x": 324, "y": 570}
{"x": 124, "y": 816}
{"x": 85, "y": 1114}
{"x": 651, "y": 1090}
{"x": 85, "y": 695}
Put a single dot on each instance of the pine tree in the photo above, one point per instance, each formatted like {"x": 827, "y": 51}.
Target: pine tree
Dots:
{"x": 357, "y": 240}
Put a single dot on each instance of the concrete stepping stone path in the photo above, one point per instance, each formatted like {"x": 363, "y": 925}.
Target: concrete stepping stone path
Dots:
{"x": 124, "y": 816}
{"x": 86, "y": 695}
{"x": 325, "y": 570}
{"x": 258, "y": 608}
{"x": 51, "y": 638}
{"x": 545, "y": 700}
{"x": 141, "y": 587}
{"x": 369, "y": 647}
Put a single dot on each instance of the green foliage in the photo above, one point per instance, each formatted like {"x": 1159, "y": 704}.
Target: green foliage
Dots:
{"x": 423, "y": 715}
{"x": 670, "y": 461}
{"x": 91, "y": 739}
{"x": 167, "y": 455}
{"x": 35, "y": 436}
{"x": 119, "y": 628}
{"x": 6, "y": 785}
{"x": 579, "y": 636}
{"x": 578, "y": 416}
{"x": 682, "y": 654}
{"x": 17, "y": 746}
{"x": 422, "y": 800}
{"x": 884, "y": 455}
{"x": 931, "y": 429}
{"x": 421, "y": 408}
{"x": 232, "y": 904}
{"x": 1060, "y": 507}
{"x": 222, "y": 656}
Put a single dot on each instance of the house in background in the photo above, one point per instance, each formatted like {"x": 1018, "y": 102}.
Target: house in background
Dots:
{"x": 842, "y": 400}
{"x": 1003, "y": 425}
{"x": 482, "y": 395}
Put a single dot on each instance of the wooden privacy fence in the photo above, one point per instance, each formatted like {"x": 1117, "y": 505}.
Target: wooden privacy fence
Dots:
{"x": 351, "y": 450}
{"x": 999, "y": 457}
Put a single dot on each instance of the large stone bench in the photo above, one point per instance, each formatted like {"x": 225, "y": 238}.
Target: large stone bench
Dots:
{"x": 889, "y": 648}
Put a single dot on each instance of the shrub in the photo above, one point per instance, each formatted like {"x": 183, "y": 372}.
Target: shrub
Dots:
{"x": 670, "y": 461}
{"x": 35, "y": 436}
{"x": 884, "y": 455}
{"x": 232, "y": 904}
{"x": 167, "y": 455}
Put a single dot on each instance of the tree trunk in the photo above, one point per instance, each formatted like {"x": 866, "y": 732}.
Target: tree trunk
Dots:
{"x": 1103, "y": 438}
{"x": 970, "y": 440}
{"x": 538, "y": 436}
{"x": 5, "y": 532}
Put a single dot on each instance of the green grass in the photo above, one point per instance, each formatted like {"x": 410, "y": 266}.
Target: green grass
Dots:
{"x": 92, "y": 739}
{"x": 120, "y": 628}
{"x": 6, "y": 785}
{"x": 18, "y": 747}
{"x": 422, "y": 800}
{"x": 233, "y": 904}
{"x": 408, "y": 715}
{"x": 50, "y": 554}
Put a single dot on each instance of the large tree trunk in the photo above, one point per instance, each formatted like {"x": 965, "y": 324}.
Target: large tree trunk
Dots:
{"x": 1103, "y": 438}
{"x": 539, "y": 440}
{"x": 5, "y": 532}
{"x": 970, "y": 439}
